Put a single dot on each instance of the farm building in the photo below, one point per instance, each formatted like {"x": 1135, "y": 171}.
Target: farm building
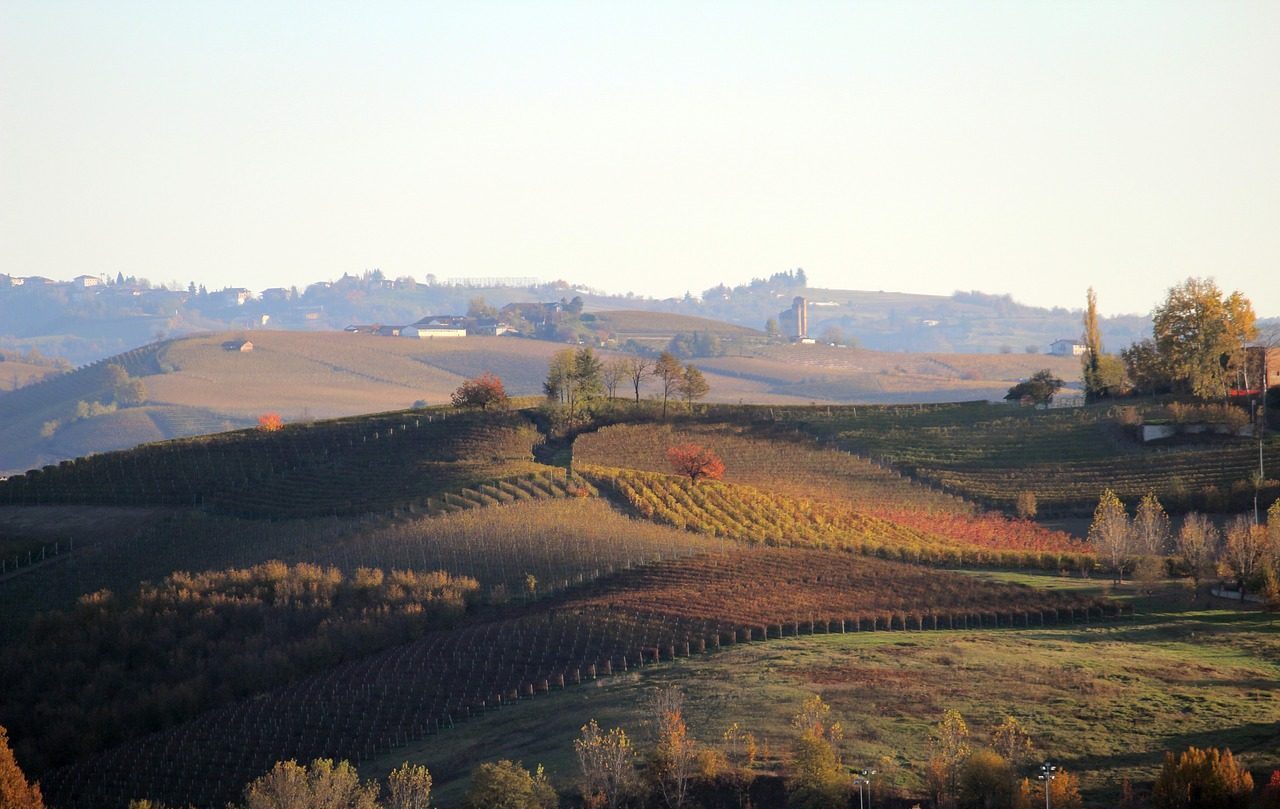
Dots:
{"x": 237, "y": 345}
{"x": 429, "y": 332}
{"x": 1067, "y": 348}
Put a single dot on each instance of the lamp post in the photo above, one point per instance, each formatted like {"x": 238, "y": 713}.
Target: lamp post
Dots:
{"x": 861, "y": 780}
{"x": 1048, "y": 772}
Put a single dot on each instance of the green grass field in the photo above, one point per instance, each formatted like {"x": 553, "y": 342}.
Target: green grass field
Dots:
{"x": 1105, "y": 701}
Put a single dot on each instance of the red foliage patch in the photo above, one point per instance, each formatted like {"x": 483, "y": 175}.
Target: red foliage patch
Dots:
{"x": 695, "y": 461}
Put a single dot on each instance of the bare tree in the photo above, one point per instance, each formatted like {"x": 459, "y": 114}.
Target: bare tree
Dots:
{"x": 669, "y": 373}
{"x": 612, "y": 374}
{"x": 638, "y": 370}
{"x": 608, "y": 764}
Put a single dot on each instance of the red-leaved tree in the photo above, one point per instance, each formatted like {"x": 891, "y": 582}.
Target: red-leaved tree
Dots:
{"x": 696, "y": 461}
{"x": 270, "y": 422}
{"x": 483, "y": 391}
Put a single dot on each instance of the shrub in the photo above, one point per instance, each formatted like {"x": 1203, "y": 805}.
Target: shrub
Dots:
{"x": 1026, "y": 505}
{"x": 484, "y": 391}
{"x": 270, "y": 422}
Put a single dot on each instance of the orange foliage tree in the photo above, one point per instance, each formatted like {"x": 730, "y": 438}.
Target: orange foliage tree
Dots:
{"x": 270, "y": 422}
{"x": 15, "y": 792}
{"x": 696, "y": 461}
{"x": 481, "y": 392}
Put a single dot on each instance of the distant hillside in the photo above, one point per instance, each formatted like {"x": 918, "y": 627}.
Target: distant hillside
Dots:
{"x": 194, "y": 386}
{"x": 83, "y": 324}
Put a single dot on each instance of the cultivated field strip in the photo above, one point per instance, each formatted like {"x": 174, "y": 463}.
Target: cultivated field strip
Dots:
{"x": 754, "y": 516}
{"x": 369, "y": 707}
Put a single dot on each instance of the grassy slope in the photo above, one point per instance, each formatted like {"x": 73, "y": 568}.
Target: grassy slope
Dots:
{"x": 1105, "y": 701}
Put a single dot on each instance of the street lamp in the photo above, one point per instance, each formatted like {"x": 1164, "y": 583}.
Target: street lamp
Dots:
{"x": 1048, "y": 772}
{"x": 863, "y": 779}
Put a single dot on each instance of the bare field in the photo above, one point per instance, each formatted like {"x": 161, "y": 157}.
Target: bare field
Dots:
{"x": 828, "y": 374}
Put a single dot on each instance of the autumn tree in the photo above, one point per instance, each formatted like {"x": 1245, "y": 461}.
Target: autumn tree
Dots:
{"x": 15, "y": 791}
{"x": 949, "y": 747}
{"x": 1111, "y": 533}
{"x": 484, "y": 391}
{"x": 1025, "y": 505}
{"x": 692, "y": 386}
{"x": 290, "y": 785}
{"x": 270, "y": 422}
{"x": 817, "y": 777}
{"x": 1011, "y": 740}
{"x": 1200, "y": 333}
{"x": 696, "y": 461}
{"x": 1197, "y": 543}
{"x": 1271, "y": 792}
{"x": 638, "y": 370}
{"x": 674, "y": 761}
{"x": 508, "y": 785}
{"x": 409, "y": 787}
{"x": 1243, "y": 551}
{"x": 985, "y": 780}
{"x": 1151, "y": 526}
{"x": 669, "y": 373}
{"x": 1202, "y": 779}
{"x": 1064, "y": 790}
{"x": 607, "y": 762}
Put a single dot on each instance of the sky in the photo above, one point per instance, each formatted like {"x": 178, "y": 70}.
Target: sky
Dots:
{"x": 1029, "y": 148}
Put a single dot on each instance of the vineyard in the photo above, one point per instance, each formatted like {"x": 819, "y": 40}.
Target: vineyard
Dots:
{"x": 754, "y": 516}
{"x": 990, "y": 453}
{"x": 779, "y": 460}
{"x": 346, "y": 466}
{"x": 365, "y": 708}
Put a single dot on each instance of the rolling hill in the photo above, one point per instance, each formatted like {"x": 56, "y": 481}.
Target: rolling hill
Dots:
{"x": 210, "y": 590}
{"x": 194, "y": 386}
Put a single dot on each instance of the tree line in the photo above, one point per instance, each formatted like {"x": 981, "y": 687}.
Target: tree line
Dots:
{"x": 1197, "y": 347}
{"x": 577, "y": 380}
{"x": 1146, "y": 546}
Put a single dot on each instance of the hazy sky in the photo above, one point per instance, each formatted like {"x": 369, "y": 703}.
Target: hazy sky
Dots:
{"x": 1021, "y": 147}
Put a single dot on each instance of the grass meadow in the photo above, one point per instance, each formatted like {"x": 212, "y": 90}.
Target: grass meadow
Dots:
{"x": 1105, "y": 701}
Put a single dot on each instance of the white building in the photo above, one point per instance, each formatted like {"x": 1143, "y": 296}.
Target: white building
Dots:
{"x": 1067, "y": 348}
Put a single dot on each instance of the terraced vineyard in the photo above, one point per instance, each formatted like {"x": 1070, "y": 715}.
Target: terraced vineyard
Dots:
{"x": 345, "y": 466}
{"x": 782, "y": 461}
{"x": 755, "y": 516}
{"x": 989, "y": 453}
{"x": 365, "y": 708}
{"x": 767, "y": 457}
